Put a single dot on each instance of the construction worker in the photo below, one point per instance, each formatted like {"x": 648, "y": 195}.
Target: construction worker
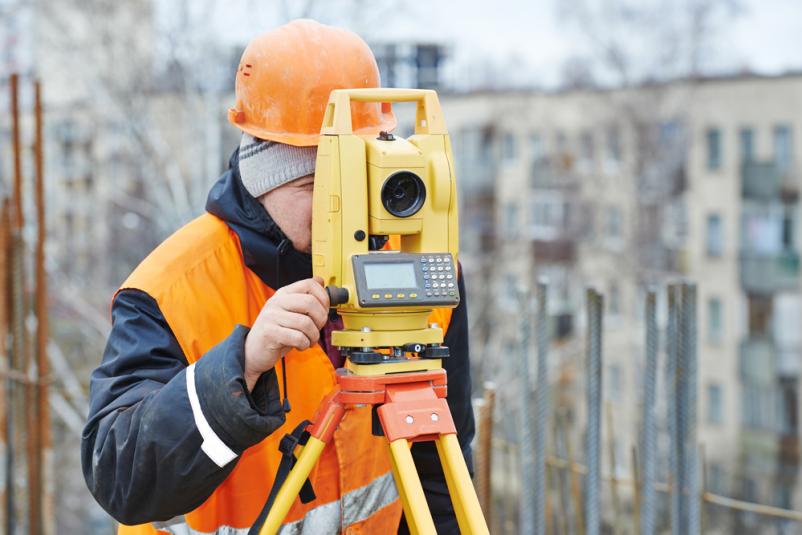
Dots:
{"x": 220, "y": 340}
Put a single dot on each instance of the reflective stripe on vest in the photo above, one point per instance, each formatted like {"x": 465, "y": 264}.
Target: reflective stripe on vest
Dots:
{"x": 358, "y": 505}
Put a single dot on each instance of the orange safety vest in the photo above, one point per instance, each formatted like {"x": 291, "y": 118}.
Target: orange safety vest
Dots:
{"x": 203, "y": 288}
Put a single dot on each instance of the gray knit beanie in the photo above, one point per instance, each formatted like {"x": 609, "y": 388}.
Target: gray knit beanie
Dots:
{"x": 266, "y": 165}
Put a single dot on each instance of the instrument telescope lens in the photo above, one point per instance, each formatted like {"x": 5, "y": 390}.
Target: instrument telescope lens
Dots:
{"x": 403, "y": 194}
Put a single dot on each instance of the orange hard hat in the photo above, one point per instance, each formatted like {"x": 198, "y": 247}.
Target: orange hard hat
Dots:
{"x": 285, "y": 77}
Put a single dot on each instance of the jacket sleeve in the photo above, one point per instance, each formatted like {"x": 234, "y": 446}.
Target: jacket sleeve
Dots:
{"x": 457, "y": 367}
{"x": 162, "y": 435}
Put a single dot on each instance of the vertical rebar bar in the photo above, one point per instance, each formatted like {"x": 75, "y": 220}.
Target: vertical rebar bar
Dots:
{"x": 570, "y": 510}
{"x": 648, "y": 441}
{"x": 484, "y": 460}
{"x": 5, "y": 302}
{"x": 15, "y": 420}
{"x": 703, "y": 489}
{"x": 541, "y": 406}
{"x": 527, "y": 511}
{"x": 593, "y": 378}
{"x": 17, "y": 213}
{"x": 613, "y": 470}
{"x": 690, "y": 373}
{"x": 636, "y": 486}
{"x": 43, "y": 446}
{"x": 576, "y": 486}
{"x": 560, "y": 480}
{"x": 672, "y": 368}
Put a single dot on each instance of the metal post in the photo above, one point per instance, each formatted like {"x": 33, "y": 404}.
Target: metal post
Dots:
{"x": 703, "y": 489}
{"x": 636, "y": 496}
{"x": 672, "y": 349}
{"x": 43, "y": 446}
{"x": 690, "y": 373}
{"x": 564, "y": 523}
{"x": 593, "y": 378}
{"x": 576, "y": 487}
{"x": 613, "y": 469}
{"x": 648, "y": 441}
{"x": 527, "y": 505}
{"x": 5, "y": 302}
{"x": 484, "y": 458}
{"x": 15, "y": 418}
{"x": 541, "y": 406}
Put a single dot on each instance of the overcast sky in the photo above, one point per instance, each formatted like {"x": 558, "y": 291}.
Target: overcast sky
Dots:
{"x": 766, "y": 37}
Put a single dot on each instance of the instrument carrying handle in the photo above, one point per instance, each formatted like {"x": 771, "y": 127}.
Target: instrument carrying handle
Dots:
{"x": 428, "y": 116}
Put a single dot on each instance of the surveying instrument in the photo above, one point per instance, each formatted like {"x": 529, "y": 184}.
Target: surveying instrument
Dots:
{"x": 368, "y": 189}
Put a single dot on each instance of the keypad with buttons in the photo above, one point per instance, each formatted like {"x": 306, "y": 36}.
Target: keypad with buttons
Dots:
{"x": 434, "y": 275}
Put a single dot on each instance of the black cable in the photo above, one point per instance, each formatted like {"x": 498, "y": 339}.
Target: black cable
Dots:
{"x": 283, "y": 245}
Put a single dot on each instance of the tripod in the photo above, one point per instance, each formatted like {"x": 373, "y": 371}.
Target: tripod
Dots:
{"x": 410, "y": 396}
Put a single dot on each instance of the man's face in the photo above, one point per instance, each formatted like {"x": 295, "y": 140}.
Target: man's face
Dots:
{"x": 290, "y": 206}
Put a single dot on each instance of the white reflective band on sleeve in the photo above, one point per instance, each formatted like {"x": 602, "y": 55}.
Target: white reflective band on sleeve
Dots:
{"x": 212, "y": 446}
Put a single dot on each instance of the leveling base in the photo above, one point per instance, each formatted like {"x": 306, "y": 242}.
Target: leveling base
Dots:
{"x": 411, "y": 408}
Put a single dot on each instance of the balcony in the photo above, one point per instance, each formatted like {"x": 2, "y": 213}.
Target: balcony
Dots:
{"x": 765, "y": 181}
{"x": 768, "y": 274}
{"x": 561, "y": 250}
{"x": 553, "y": 173}
{"x": 756, "y": 361}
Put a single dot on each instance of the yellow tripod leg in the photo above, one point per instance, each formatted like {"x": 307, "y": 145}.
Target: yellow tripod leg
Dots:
{"x": 416, "y": 510}
{"x": 292, "y": 486}
{"x": 460, "y": 487}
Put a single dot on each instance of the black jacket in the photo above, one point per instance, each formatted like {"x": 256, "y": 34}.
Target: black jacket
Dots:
{"x": 140, "y": 415}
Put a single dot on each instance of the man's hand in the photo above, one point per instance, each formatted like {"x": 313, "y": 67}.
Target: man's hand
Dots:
{"x": 292, "y": 318}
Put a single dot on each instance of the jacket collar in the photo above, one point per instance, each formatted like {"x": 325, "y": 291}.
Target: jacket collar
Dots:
{"x": 265, "y": 248}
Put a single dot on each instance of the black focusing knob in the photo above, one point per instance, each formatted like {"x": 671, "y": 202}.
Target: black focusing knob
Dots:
{"x": 337, "y": 295}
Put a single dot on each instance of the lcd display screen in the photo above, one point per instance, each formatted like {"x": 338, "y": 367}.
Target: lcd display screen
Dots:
{"x": 391, "y": 275}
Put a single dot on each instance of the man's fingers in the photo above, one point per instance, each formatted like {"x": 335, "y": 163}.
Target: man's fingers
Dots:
{"x": 316, "y": 288}
{"x": 312, "y": 287}
{"x": 298, "y": 322}
{"x": 291, "y": 338}
{"x": 305, "y": 304}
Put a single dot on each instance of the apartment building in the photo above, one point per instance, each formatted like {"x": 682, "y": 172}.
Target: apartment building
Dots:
{"x": 628, "y": 189}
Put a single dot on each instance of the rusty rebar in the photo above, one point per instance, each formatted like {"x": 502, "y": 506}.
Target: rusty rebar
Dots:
{"x": 17, "y": 213}
{"x": 16, "y": 416}
{"x": 484, "y": 460}
{"x": 43, "y": 445}
{"x": 5, "y": 312}
{"x": 613, "y": 480}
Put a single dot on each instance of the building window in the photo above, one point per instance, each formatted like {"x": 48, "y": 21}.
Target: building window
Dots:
{"x": 614, "y": 306}
{"x": 560, "y": 142}
{"x": 508, "y": 148}
{"x": 536, "y": 146}
{"x": 586, "y": 145}
{"x": 759, "y": 311}
{"x": 746, "y": 140}
{"x": 715, "y": 324}
{"x": 783, "y": 152}
{"x": 713, "y": 149}
{"x": 613, "y": 224}
{"x": 614, "y": 144}
{"x": 511, "y": 220}
{"x": 714, "y": 237}
{"x": 548, "y": 217}
{"x": 715, "y": 404}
